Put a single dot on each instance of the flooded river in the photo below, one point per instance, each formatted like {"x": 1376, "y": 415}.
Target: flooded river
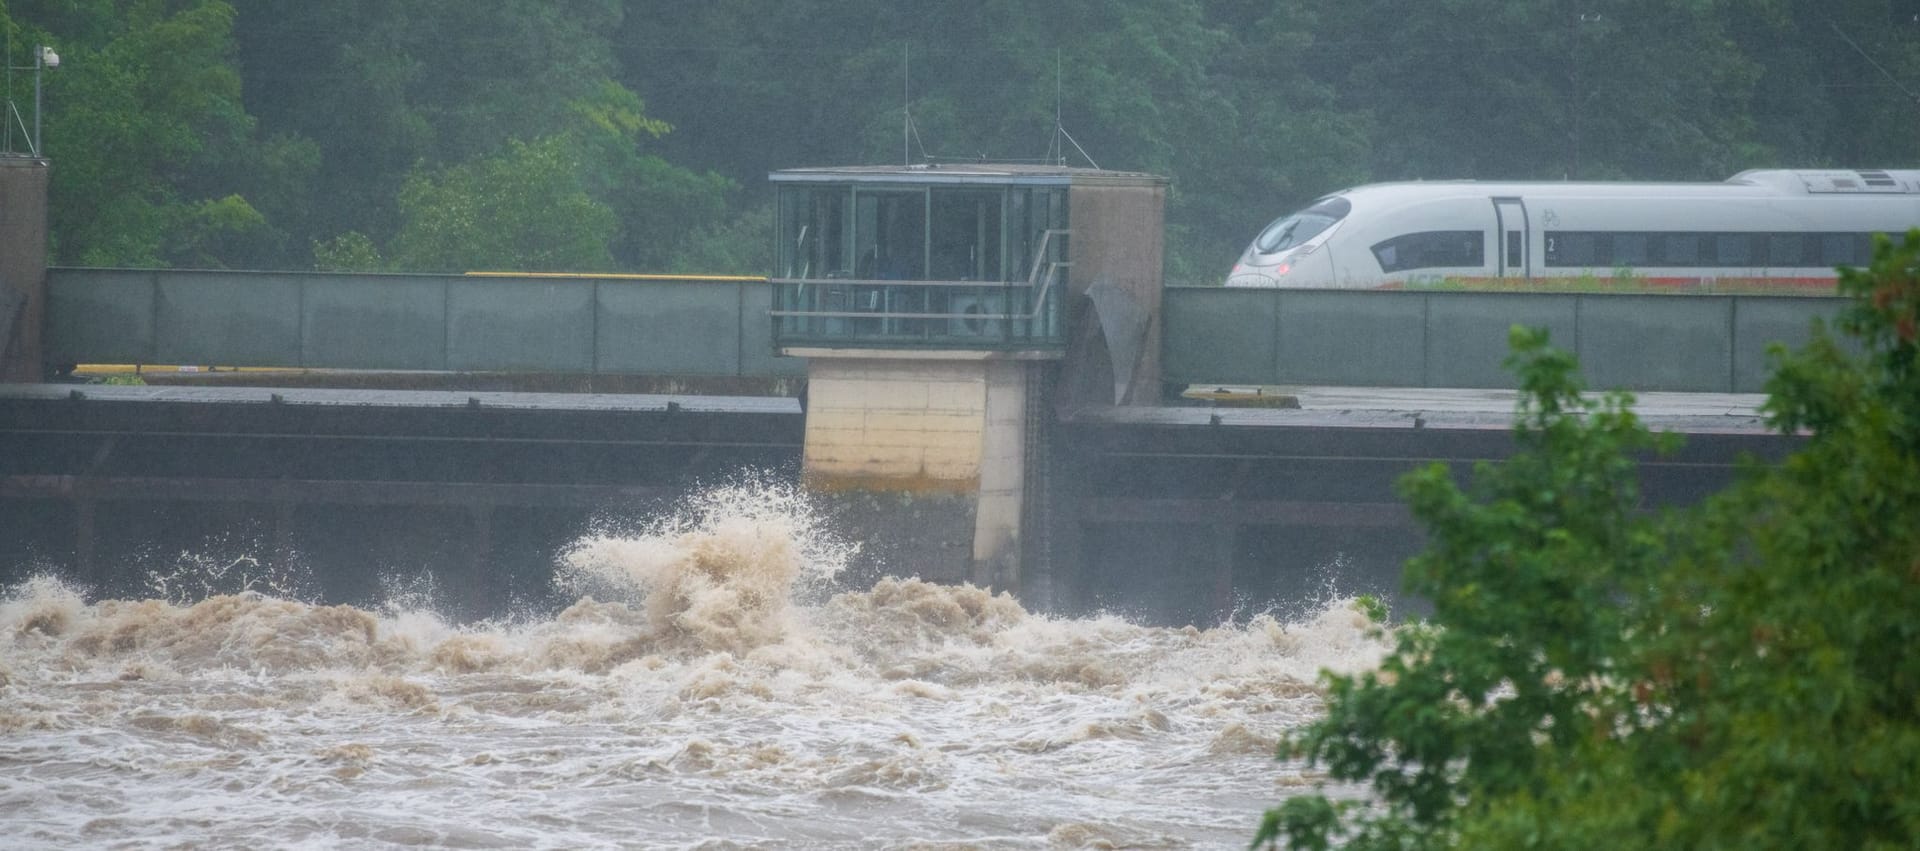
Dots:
{"x": 710, "y": 686}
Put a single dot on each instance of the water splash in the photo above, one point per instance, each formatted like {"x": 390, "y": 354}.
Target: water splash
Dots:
{"x": 708, "y": 689}
{"x": 195, "y": 576}
{"x": 719, "y": 573}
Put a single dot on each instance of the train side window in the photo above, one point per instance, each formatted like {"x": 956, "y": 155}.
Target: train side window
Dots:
{"x": 1630, "y": 249}
{"x": 1432, "y": 250}
{"x": 1696, "y": 250}
{"x": 1680, "y": 249}
{"x": 1836, "y": 249}
{"x": 1785, "y": 249}
{"x": 1570, "y": 248}
{"x": 1733, "y": 249}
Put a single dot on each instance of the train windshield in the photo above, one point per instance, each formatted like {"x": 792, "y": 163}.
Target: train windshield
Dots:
{"x": 1290, "y": 231}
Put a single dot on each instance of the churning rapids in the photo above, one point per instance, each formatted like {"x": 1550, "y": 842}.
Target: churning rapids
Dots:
{"x": 706, "y": 690}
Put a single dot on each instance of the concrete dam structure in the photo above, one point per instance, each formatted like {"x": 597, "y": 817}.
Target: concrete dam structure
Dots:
{"x": 976, "y": 361}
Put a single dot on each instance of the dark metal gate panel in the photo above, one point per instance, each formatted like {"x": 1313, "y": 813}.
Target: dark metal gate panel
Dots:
{"x": 514, "y": 323}
{"x": 100, "y": 316}
{"x": 1471, "y": 353}
{"x": 1657, "y": 342}
{"x": 209, "y": 317}
{"x": 677, "y": 328}
{"x": 1351, "y": 337}
{"x": 369, "y": 322}
{"x": 1400, "y": 338}
{"x": 1230, "y": 336}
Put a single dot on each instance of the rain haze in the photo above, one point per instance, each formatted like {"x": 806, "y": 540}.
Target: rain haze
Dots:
{"x": 623, "y": 423}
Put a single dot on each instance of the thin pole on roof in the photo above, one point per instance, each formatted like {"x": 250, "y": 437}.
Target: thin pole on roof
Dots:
{"x": 906, "y": 103}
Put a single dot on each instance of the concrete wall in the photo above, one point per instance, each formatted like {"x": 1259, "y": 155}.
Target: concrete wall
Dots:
{"x": 1119, "y": 239}
{"x": 914, "y": 426}
{"x": 23, "y": 265}
{"x": 917, "y": 428}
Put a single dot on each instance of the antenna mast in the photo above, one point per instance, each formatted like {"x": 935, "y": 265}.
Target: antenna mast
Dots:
{"x": 1058, "y": 126}
{"x": 906, "y": 104}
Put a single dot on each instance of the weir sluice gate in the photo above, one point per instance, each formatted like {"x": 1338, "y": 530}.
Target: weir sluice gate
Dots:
{"x": 982, "y": 351}
{"x": 1171, "y": 515}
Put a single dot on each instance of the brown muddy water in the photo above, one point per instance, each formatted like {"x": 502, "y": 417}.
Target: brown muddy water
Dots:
{"x": 708, "y": 687}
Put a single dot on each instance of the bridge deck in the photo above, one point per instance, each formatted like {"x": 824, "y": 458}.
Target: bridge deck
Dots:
{"x": 377, "y": 446}
{"x": 1451, "y": 409}
{"x": 336, "y": 398}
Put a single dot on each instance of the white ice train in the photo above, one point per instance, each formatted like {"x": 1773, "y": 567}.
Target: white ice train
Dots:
{"x": 1759, "y": 230}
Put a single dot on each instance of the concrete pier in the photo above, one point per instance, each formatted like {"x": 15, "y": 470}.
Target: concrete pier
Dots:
{"x": 925, "y": 423}
{"x": 23, "y": 265}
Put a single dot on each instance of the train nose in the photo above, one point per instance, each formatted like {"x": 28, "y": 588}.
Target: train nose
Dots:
{"x": 1307, "y": 267}
{"x": 1244, "y": 275}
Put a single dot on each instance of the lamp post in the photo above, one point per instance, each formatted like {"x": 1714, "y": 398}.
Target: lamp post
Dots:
{"x": 43, "y": 58}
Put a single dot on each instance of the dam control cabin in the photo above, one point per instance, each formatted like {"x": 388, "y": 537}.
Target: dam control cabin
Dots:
{"x": 940, "y": 309}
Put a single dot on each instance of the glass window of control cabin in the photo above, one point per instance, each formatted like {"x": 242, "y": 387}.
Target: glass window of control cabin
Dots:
{"x": 964, "y": 235}
{"x": 812, "y": 233}
{"x": 1030, "y": 214}
{"x": 891, "y": 235}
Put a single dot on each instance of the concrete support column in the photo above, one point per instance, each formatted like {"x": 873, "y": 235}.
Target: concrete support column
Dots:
{"x": 23, "y": 266}
{"x": 928, "y": 424}
{"x": 1003, "y": 476}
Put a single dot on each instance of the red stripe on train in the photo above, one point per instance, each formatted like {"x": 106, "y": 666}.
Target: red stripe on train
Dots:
{"x": 1637, "y": 284}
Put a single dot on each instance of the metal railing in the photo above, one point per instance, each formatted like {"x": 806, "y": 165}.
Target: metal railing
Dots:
{"x": 869, "y": 313}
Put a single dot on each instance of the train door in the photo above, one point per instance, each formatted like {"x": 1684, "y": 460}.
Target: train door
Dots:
{"x": 1513, "y": 235}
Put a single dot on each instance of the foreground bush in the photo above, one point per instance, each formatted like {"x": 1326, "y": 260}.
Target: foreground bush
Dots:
{"x": 1736, "y": 675}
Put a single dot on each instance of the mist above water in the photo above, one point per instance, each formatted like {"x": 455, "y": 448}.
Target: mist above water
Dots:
{"x": 705, "y": 689}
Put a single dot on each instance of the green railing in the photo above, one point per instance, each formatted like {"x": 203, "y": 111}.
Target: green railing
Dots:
{"x": 888, "y": 314}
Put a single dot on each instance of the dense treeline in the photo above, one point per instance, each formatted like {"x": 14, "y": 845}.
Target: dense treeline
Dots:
{"x": 636, "y": 134}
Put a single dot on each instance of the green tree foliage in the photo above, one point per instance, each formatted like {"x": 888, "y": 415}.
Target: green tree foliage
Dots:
{"x": 526, "y": 208}
{"x": 352, "y": 251}
{"x": 1644, "y": 89}
{"x": 386, "y": 87}
{"x": 739, "y": 246}
{"x": 168, "y": 115}
{"x": 584, "y": 198}
{"x": 1729, "y": 676}
{"x": 151, "y": 139}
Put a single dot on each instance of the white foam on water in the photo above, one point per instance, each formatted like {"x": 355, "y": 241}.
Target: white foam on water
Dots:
{"x": 705, "y": 694}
